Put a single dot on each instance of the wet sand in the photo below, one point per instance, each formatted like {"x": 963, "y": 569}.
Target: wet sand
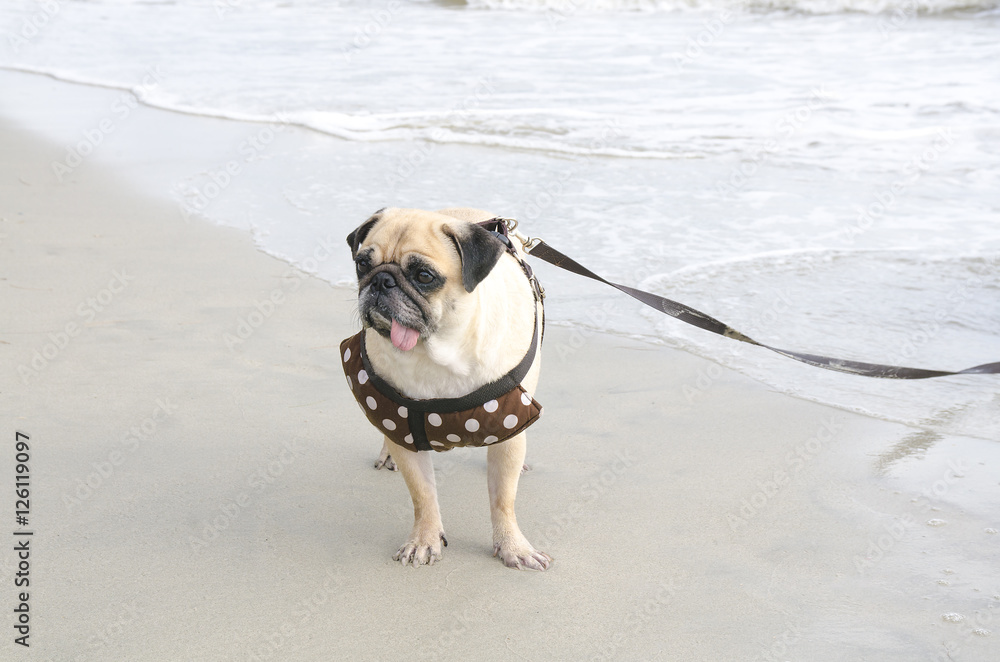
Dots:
{"x": 202, "y": 483}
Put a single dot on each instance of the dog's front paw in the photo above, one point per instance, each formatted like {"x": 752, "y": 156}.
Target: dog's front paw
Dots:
{"x": 384, "y": 460}
{"x": 518, "y": 553}
{"x": 421, "y": 549}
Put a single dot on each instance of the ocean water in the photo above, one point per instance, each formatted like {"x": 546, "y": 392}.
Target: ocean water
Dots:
{"x": 823, "y": 175}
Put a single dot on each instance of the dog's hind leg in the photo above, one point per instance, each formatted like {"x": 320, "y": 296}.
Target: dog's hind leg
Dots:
{"x": 385, "y": 458}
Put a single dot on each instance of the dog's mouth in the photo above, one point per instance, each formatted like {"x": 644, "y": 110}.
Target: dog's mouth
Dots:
{"x": 389, "y": 304}
{"x": 402, "y": 337}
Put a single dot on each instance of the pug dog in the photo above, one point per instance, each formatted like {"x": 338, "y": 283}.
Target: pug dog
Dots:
{"x": 447, "y": 310}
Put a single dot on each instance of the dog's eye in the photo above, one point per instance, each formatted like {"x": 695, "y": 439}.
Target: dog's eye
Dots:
{"x": 425, "y": 277}
{"x": 362, "y": 264}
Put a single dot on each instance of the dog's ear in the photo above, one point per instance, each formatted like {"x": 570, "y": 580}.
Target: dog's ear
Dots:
{"x": 356, "y": 238}
{"x": 478, "y": 249}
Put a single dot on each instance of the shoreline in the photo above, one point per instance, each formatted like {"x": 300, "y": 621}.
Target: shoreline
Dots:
{"x": 221, "y": 163}
{"x": 203, "y": 501}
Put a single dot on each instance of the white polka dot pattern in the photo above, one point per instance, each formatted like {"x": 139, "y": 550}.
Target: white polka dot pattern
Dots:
{"x": 492, "y": 422}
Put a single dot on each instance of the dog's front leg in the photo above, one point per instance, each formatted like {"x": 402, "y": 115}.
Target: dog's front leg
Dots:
{"x": 424, "y": 545}
{"x": 505, "y": 462}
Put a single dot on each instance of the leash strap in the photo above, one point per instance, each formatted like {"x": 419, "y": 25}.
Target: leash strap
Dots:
{"x": 543, "y": 251}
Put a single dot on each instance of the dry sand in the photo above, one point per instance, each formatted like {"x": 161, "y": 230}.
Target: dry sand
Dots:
{"x": 193, "y": 498}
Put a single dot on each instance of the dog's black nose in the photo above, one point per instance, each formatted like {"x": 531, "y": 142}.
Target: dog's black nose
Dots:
{"x": 383, "y": 281}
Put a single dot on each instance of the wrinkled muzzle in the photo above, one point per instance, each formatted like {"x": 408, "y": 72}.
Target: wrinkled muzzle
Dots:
{"x": 390, "y": 304}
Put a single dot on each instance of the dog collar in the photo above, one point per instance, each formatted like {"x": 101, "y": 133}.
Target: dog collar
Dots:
{"x": 491, "y": 414}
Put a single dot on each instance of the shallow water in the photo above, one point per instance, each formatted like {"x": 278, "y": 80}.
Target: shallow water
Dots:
{"x": 821, "y": 175}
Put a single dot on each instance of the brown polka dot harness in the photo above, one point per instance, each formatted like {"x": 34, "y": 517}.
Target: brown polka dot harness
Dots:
{"x": 491, "y": 414}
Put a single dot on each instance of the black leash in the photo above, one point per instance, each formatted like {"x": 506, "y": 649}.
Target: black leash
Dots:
{"x": 541, "y": 250}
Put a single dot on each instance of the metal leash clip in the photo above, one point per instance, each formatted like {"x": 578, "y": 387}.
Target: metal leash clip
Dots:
{"x": 537, "y": 287}
{"x": 527, "y": 242}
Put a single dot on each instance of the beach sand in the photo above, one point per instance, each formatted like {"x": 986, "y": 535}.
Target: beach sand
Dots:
{"x": 202, "y": 484}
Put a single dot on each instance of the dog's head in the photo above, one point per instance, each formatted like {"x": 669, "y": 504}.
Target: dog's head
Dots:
{"x": 414, "y": 266}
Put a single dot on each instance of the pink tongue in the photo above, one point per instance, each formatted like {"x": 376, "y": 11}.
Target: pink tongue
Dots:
{"x": 403, "y": 337}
